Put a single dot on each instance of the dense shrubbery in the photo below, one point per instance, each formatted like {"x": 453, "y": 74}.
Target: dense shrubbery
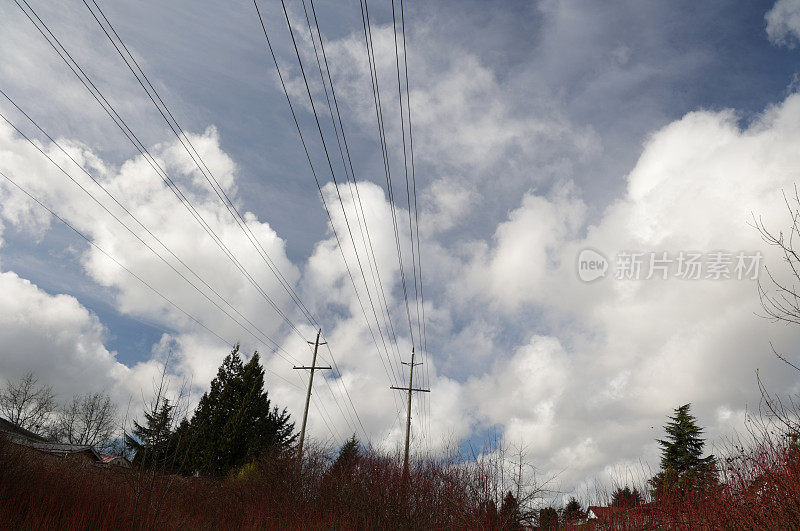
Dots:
{"x": 360, "y": 491}
{"x": 234, "y": 464}
{"x": 759, "y": 488}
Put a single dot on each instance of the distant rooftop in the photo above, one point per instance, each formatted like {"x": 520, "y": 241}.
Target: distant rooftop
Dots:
{"x": 8, "y": 427}
{"x": 37, "y": 442}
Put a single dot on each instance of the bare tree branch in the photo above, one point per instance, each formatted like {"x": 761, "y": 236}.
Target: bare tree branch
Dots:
{"x": 88, "y": 419}
{"x": 26, "y": 404}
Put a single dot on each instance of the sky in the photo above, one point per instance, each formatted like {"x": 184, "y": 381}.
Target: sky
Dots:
{"x": 540, "y": 130}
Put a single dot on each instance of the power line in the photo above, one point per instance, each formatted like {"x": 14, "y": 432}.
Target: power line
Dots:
{"x": 322, "y": 196}
{"x": 416, "y": 210}
{"x": 229, "y": 254}
{"x": 336, "y": 186}
{"x": 118, "y": 203}
{"x": 384, "y": 149}
{"x": 109, "y": 109}
{"x": 120, "y": 122}
{"x": 374, "y": 271}
{"x": 375, "y": 84}
{"x": 405, "y": 168}
{"x": 316, "y": 179}
{"x": 352, "y": 184}
{"x": 195, "y": 156}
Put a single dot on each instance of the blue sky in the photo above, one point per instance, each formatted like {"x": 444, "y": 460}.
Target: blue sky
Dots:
{"x": 540, "y": 128}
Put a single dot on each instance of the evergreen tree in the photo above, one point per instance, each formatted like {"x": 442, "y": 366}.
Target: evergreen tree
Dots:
{"x": 681, "y": 453}
{"x": 349, "y": 454}
{"x": 626, "y": 498}
{"x": 510, "y": 515}
{"x": 548, "y": 518}
{"x": 573, "y": 512}
{"x": 234, "y": 422}
{"x": 150, "y": 441}
{"x": 179, "y": 445}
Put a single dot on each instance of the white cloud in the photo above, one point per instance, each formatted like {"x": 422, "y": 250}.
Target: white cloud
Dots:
{"x": 32, "y": 69}
{"x": 137, "y": 186}
{"x": 449, "y": 204}
{"x": 55, "y": 337}
{"x": 467, "y": 121}
{"x": 525, "y": 250}
{"x": 783, "y": 23}
{"x": 531, "y": 382}
{"x": 196, "y": 353}
{"x": 635, "y": 350}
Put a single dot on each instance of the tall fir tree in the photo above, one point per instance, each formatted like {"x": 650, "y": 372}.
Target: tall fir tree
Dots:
{"x": 151, "y": 441}
{"x": 681, "y": 454}
{"x": 573, "y": 512}
{"x": 235, "y": 422}
{"x": 349, "y": 454}
{"x": 626, "y": 498}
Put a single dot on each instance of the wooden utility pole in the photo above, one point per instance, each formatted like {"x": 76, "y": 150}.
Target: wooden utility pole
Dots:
{"x": 313, "y": 367}
{"x": 410, "y": 389}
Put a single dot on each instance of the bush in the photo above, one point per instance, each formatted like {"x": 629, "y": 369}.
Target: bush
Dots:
{"x": 37, "y": 490}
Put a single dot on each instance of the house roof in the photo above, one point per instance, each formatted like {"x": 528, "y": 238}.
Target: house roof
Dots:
{"x": 65, "y": 449}
{"x": 8, "y": 427}
{"x": 37, "y": 442}
{"x": 115, "y": 460}
{"x": 601, "y": 512}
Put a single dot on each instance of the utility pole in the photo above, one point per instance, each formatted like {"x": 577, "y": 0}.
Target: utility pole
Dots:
{"x": 410, "y": 389}
{"x": 313, "y": 367}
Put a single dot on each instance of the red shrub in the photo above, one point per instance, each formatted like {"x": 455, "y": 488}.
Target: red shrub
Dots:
{"x": 758, "y": 488}
{"x": 37, "y": 491}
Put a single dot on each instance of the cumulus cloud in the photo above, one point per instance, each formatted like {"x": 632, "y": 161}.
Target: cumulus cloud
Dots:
{"x": 630, "y": 351}
{"x": 196, "y": 353}
{"x": 521, "y": 259}
{"x": 635, "y": 350}
{"x": 146, "y": 196}
{"x": 615, "y": 353}
{"x": 57, "y": 338}
{"x": 467, "y": 121}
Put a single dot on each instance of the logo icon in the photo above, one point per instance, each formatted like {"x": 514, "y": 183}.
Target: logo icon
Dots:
{"x": 591, "y": 265}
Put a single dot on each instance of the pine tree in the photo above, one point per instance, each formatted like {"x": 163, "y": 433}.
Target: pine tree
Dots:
{"x": 179, "y": 445}
{"x": 681, "y": 453}
{"x": 626, "y": 498}
{"x": 548, "y": 518}
{"x": 234, "y": 422}
{"x": 151, "y": 440}
{"x": 573, "y": 512}
{"x": 349, "y": 454}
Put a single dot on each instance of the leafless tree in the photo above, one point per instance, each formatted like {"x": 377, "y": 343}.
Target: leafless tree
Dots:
{"x": 27, "y": 404}
{"x": 506, "y": 468}
{"x": 88, "y": 419}
{"x": 780, "y": 300}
